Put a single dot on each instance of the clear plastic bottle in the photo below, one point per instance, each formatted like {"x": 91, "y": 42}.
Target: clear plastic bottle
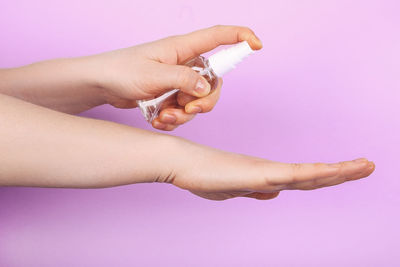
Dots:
{"x": 212, "y": 68}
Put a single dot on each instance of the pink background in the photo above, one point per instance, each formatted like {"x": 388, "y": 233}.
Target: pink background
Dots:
{"x": 324, "y": 88}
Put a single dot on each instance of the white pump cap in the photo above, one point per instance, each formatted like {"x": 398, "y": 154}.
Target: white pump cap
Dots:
{"x": 226, "y": 60}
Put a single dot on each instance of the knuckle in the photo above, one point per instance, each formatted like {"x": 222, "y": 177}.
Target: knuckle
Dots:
{"x": 185, "y": 77}
{"x": 244, "y": 32}
{"x": 247, "y": 29}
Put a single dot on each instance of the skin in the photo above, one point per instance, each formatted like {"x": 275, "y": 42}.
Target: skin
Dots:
{"x": 121, "y": 77}
{"x": 43, "y": 144}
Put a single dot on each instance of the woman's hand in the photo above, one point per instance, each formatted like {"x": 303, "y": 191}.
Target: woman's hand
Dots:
{"x": 149, "y": 70}
{"x": 123, "y": 76}
{"x": 219, "y": 175}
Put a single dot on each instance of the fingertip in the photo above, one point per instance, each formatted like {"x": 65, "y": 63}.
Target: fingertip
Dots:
{"x": 255, "y": 43}
{"x": 156, "y": 123}
{"x": 170, "y": 127}
{"x": 163, "y": 126}
{"x": 202, "y": 87}
{"x": 361, "y": 160}
{"x": 367, "y": 168}
{"x": 192, "y": 109}
{"x": 167, "y": 118}
{"x": 362, "y": 163}
{"x": 175, "y": 116}
{"x": 247, "y": 34}
{"x": 371, "y": 167}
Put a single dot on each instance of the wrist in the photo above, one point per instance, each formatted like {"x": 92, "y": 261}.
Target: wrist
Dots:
{"x": 82, "y": 73}
{"x": 66, "y": 85}
{"x": 165, "y": 157}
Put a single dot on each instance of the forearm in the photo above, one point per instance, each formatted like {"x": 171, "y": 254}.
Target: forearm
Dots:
{"x": 41, "y": 147}
{"x": 62, "y": 84}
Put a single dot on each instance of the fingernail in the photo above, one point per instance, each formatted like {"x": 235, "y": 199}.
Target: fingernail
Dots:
{"x": 202, "y": 87}
{"x": 257, "y": 41}
{"x": 371, "y": 165}
{"x": 168, "y": 118}
{"x": 159, "y": 125}
{"x": 194, "y": 109}
{"x": 360, "y": 160}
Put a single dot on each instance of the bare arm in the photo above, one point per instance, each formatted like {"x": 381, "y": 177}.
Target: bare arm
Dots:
{"x": 121, "y": 77}
{"x": 60, "y": 84}
{"x": 42, "y": 147}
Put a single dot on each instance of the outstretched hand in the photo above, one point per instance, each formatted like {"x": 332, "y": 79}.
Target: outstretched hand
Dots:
{"x": 149, "y": 70}
{"x": 219, "y": 175}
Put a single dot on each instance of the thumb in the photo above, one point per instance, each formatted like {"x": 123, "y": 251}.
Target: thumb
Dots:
{"x": 183, "y": 78}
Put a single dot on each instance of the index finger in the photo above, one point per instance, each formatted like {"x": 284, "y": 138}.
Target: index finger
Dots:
{"x": 201, "y": 41}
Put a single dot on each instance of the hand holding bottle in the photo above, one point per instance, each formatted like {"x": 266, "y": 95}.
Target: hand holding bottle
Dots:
{"x": 149, "y": 70}
{"x": 122, "y": 77}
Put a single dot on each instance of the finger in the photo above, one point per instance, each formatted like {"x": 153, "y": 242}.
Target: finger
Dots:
{"x": 156, "y": 123}
{"x": 262, "y": 196}
{"x": 170, "y": 127}
{"x": 205, "y": 104}
{"x": 284, "y": 175}
{"x": 368, "y": 171}
{"x": 175, "y": 116}
{"x": 179, "y": 77}
{"x": 183, "y": 98}
{"x": 338, "y": 180}
{"x": 201, "y": 41}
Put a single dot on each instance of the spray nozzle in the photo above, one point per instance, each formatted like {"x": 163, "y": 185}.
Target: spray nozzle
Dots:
{"x": 226, "y": 60}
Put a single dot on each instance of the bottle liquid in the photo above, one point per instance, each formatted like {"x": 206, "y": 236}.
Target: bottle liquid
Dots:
{"x": 215, "y": 66}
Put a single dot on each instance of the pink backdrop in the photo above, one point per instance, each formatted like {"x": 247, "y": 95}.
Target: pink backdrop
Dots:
{"x": 324, "y": 88}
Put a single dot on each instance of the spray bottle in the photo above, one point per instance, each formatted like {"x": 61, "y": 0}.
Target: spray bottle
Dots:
{"x": 215, "y": 66}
